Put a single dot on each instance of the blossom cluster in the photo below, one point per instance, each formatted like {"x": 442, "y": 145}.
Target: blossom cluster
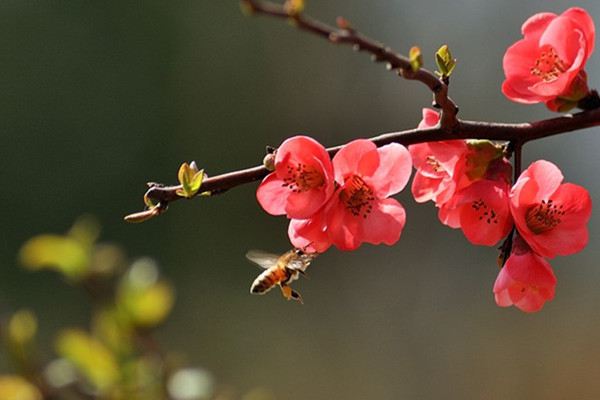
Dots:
{"x": 469, "y": 182}
{"x": 345, "y": 201}
{"x": 342, "y": 201}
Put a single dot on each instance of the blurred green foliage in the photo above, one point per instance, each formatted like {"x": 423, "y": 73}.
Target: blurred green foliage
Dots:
{"x": 118, "y": 358}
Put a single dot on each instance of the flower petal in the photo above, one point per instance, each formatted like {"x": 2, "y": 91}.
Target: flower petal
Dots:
{"x": 302, "y": 150}
{"x": 538, "y": 182}
{"x": 272, "y": 195}
{"x": 357, "y": 157}
{"x": 393, "y": 172}
{"x": 562, "y": 35}
{"x": 485, "y": 215}
{"x": 526, "y": 281}
{"x": 430, "y": 118}
{"x": 584, "y": 22}
{"x": 304, "y": 204}
{"x": 385, "y": 223}
{"x": 570, "y": 236}
{"x": 310, "y": 235}
{"x": 536, "y": 24}
{"x": 343, "y": 226}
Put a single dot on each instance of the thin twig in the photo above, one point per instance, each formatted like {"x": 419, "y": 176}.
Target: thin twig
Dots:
{"x": 378, "y": 51}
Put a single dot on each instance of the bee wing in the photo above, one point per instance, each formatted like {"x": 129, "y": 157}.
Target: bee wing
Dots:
{"x": 262, "y": 258}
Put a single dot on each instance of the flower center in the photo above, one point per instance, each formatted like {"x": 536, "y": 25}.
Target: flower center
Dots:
{"x": 548, "y": 66}
{"x": 357, "y": 196}
{"x": 433, "y": 163}
{"x": 544, "y": 216}
{"x": 302, "y": 178}
{"x": 486, "y": 213}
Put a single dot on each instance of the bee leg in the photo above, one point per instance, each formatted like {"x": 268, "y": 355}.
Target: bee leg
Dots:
{"x": 291, "y": 294}
{"x": 303, "y": 273}
{"x": 296, "y": 296}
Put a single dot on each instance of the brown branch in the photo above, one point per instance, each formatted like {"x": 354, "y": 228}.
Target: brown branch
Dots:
{"x": 379, "y": 53}
{"x": 450, "y": 126}
{"x": 516, "y": 133}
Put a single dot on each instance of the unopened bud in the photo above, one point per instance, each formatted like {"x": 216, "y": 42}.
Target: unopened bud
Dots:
{"x": 343, "y": 23}
{"x": 142, "y": 216}
{"x": 269, "y": 161}
{"x": 294, "y": 7}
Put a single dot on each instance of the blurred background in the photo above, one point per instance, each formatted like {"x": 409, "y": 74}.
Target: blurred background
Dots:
{"x": 97, "y": 98}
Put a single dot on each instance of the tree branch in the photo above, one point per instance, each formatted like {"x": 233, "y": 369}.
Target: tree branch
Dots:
{"x": 379, "y": 53}
{"x": 159, "y": 196}
{"x": 519, "y": 133}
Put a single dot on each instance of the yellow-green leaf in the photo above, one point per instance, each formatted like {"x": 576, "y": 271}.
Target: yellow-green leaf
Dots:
{"x": 415, "y": 58}
{"x": 91, "y": 358}
{"x": 143, "y": 297}
{"x": 13, "y": 387}
{"x": 190, "y": 179}
{"x": 86, "y": 230}
{"x": 22, "y": 327}
{"x": 444, "y": 61}
{"x": 147, "y": 306}
{"x": 481, "y": 153}
{"x": 61, "y": 253}
{"x": 114, "y": 329}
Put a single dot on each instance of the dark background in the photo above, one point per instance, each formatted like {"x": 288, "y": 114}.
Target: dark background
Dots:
{"x": 98, "y": 97}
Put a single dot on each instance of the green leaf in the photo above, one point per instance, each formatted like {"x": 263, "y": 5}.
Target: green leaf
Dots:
{"x": 68, "y": 254}
{"x": 90, "y": 356}
{"x": 142, "y": 296}
{"x": 444, "y": 61}
{"x": 481, "y": 153}
{"x": 61, "y": 253}
{"x": 85, "y": 230}
{"x": 22, "y": 327}
{"x": 190, "y": 179}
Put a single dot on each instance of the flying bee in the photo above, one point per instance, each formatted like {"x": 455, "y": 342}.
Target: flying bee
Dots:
{"x": 279, "y": 270}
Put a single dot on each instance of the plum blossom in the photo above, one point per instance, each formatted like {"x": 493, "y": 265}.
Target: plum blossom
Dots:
{"x": 551, "y": 216}
{"x": 436, "y": 163}
{"x": 302, "y": 181}
{"x": 526, "y": 280}
{"x": 360, "y": 211}
{"x": 482, "y": 212}
{"x": 310, "y": 234}
{"x": 467, "y": 180}
{"x": 547, "y": 65}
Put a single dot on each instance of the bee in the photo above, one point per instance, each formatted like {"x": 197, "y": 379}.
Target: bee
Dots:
{"x": 279, "y": 270}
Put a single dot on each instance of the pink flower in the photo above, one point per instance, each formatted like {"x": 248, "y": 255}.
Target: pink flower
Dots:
{"x": 526, "y": 280}
{"x": 310, "y": 234}
{"x": 302, "y": 181}
{"x": 543, "y": 65}
{"x": 480, "y": 208}
{"x": 481, "y": 211}
{"x": 552, "y": 217}
{"x": 361, "y": 210}
{"x": 435, "y": 163}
